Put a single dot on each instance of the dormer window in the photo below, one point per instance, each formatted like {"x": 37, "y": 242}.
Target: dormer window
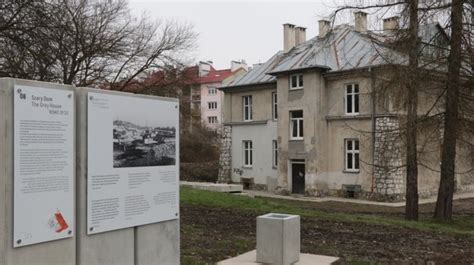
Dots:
{"x": 296, "y": 81}
{"x": 352, "y": 99}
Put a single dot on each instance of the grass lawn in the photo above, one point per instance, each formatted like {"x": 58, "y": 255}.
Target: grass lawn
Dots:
{"x": 460, "y": 224}
{"x": 226, "y": 227}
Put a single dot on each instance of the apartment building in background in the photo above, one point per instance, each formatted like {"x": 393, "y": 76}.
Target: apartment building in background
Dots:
{"x": 314, "y": 120}
{"x": 206, "y": 98}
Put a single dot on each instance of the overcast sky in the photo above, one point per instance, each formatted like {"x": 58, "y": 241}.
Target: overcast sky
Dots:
{"x": 230, "y": 30}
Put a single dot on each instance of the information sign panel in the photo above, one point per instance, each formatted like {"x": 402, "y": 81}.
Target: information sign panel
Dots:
{"x": 43, "y": 165}
{"x": 133, "y": 153}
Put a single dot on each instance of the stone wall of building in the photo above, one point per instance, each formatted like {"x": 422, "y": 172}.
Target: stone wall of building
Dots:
{"x": 225, "y": 158}
{"x": 389, "y": 171}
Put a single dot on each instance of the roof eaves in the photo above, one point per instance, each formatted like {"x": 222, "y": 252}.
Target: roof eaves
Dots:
{"x": 232, "y": 88}
{"x": 210, "y": 81}
{"x": 322, "y": 67}
{"x": 367, "y": 68}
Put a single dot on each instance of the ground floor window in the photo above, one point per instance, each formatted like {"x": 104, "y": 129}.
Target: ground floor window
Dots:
{"x": 248, "y": 156}
{"x": 352, "y": 155}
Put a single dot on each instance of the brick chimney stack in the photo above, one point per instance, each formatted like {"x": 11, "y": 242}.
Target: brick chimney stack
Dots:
{"x": 288, "y": 37}
{"x": 324, "y": 26}
{"x": 391, "y": 23}
{"x": 300, "y": 35}
{"x": 360, "y": 19}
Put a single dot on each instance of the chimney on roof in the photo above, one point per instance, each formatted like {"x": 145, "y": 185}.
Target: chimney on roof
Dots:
{"x": 360, "y": 19}
{"x": 234, "y": 65}
{"x": 391, "y": 23}
{"x": 324, "y": 26}
{"x": 300, "y": 35}
{"x": 288, "y": 37}
{"x": 204, "y": 68}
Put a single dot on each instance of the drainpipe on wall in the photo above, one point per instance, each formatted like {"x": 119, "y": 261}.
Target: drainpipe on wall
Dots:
{"x": 372, "y": 88}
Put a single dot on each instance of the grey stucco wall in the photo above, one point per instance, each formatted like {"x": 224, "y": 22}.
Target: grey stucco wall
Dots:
{"x": 261, "y": 104}
{"x": 326, "y": 126}
{"x": 261, "y": 136}
{"x": 343, "y": 127}
{"x": 313, "y": 147}
{"x": 336, "y": 176}
{"x": 336, "y": 90}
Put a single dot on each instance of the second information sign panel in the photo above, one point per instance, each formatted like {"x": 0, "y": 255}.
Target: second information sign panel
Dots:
{"x": 133, "y": 161}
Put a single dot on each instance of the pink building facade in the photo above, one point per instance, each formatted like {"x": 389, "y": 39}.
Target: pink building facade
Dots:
{"x": 207, "y": 97}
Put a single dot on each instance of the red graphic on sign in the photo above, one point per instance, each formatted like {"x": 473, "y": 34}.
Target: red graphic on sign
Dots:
{"x": 61, "y": 223}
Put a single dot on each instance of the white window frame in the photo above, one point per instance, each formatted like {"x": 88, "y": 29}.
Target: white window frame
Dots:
{"x": 299, "y": 79}
{"x": 275, "y": 153}
{"x": 211, "y": 90}
{"x": 247, "y": 147}
{"x": 212, "y": 105}
{"x": 353, "y": 97}
{"x": 247, "y": 108}
{"x": 275, "y": 106}
{"x": 353, "y": 151}
{"x": 299, "y": 124}
{"x": 212, "y": 120}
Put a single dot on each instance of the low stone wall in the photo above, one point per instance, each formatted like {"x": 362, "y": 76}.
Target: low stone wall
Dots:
{"x": 373, "y": 196}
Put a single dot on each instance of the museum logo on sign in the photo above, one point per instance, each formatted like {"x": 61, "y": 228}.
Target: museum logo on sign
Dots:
{"x": 22, "y": 95}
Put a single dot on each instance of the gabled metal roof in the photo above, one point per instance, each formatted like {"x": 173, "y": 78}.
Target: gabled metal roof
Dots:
{"x": 258, "y": 74}
{"x": 343, "y": 49}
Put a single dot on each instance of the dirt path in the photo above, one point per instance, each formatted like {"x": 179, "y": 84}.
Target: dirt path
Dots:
{"x": 209, "y": 235}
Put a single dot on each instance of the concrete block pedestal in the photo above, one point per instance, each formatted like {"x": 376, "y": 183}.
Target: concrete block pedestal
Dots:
{"x": 278, "y": 243}
{"x": 278, "y": 238}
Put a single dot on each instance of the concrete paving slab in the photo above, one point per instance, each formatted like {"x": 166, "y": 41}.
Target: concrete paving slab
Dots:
{"x": 305, "y": 259}
{"x": 217, "y": 187}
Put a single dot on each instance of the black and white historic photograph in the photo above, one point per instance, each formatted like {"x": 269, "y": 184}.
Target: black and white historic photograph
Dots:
{"x": 142, "y": 145}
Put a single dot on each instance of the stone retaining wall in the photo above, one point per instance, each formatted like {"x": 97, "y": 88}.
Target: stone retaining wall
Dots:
{"x": 225, "y": 157}
{"x": 389, "y": 173}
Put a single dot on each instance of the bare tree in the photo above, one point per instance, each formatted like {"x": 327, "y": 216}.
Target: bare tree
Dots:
{"x": 85, "y": 42}
{"x": 426, "y": 74}
{"x": 411, "y": 206}
{"x": 444, "y": 203}
{"x": 406, "y": 42}
{"x": 13, "y": 12}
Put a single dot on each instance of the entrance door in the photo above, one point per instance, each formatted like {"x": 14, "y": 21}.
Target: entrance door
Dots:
{"x": 297, "y": 176}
